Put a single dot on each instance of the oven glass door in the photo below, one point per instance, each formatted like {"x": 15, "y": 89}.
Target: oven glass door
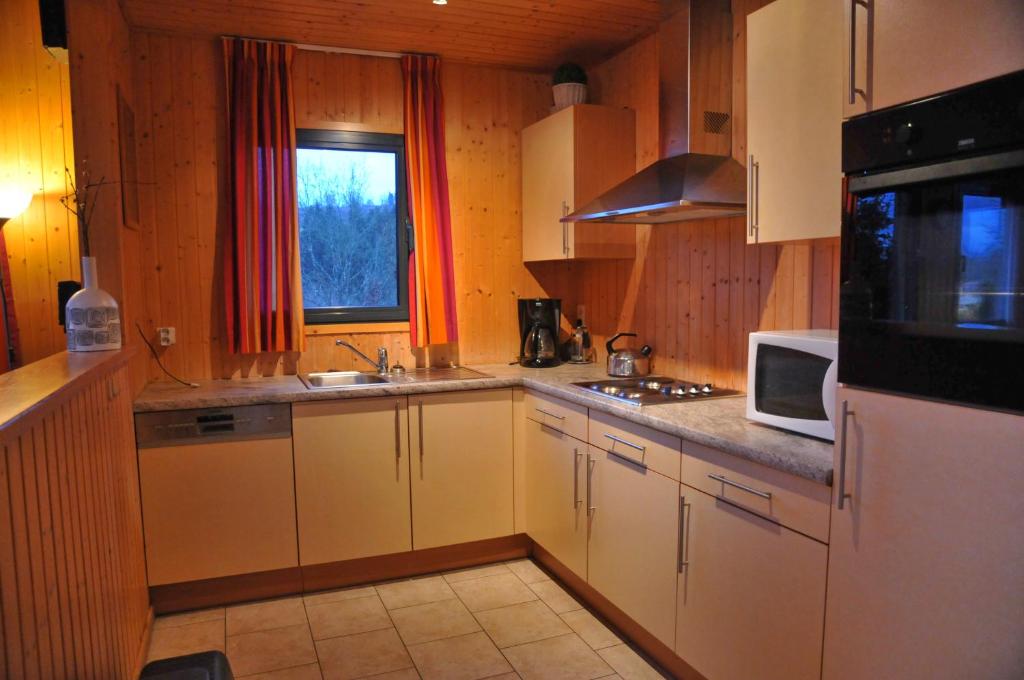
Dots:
{"x": 932, "y": 296}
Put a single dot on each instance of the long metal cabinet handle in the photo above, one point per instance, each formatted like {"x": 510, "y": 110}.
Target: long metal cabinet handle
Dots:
{"x": 630, "y": 444}
{"x": 853, "y": 49}
{"x": 419, "y": 408}
{"x": 844, "y": 412}
{"x": 757, "y": 196}
{"x": 398, "y": 430}
{"x": 548, "y": 413}
{"x": 743, "y": 487}
{"x": 576, "y": 455}
{"x": 750, "y": 196}
{"x": 591, "y": 464}
{"x": 681, "y": 560}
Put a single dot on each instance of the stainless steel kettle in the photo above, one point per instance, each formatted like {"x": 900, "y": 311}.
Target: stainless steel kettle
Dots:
{"x": 628, "y": 363}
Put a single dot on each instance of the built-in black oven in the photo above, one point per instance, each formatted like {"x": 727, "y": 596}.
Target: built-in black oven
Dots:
{"x": 932, "y": 278}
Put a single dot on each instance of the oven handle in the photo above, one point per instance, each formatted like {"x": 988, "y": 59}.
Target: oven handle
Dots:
{"x": 959, "y": 167}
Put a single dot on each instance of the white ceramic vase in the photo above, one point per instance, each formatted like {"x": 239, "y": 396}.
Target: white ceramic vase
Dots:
{"x": 567, "y": 94}
{"x": 92, "y": 320}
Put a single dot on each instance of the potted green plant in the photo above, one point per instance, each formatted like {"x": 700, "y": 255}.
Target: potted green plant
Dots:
{"x": 569, "y": 84}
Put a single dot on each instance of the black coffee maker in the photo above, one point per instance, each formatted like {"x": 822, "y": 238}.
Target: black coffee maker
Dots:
{"x": 538, "y": 332}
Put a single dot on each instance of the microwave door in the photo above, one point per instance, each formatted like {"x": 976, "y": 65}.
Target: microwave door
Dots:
{"x": 791, "y": 389}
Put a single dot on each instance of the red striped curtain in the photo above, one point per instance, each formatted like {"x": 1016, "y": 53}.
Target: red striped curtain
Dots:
{"x": 432, "y": 317}
{"x": 262, "y": 283}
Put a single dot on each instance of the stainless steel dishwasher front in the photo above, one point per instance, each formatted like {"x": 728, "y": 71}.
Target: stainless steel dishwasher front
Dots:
{"x": 218, "y": 492}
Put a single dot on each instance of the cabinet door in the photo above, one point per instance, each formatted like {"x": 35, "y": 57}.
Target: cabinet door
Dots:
{"x": 907, "y": 49}
{"x": 555, "y": 514}
{"x": 351, "y": 478}
{"x": 548, "y": 163}
{"x": 634, "y": 534}
{"x": 461, "y": 466}
{"x": 751, "y": 596}
{"x": 218, "y": 509}
{"x": 794, "y": 121}
{"x": 926, "y": 561}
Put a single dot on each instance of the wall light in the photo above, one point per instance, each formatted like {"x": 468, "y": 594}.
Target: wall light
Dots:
{"x": 13, "y": 202}
{"x": 440, "y": 2}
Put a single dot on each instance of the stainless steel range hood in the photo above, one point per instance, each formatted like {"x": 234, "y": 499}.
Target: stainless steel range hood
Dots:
{"x": 696, "y": 177}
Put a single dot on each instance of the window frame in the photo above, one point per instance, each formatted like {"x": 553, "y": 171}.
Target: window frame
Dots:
{"x": 347, "y": 140}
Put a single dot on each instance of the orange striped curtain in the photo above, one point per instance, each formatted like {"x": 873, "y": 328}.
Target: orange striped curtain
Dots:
{"x": 432, "y": 317}
{"x": 262, "y": 283}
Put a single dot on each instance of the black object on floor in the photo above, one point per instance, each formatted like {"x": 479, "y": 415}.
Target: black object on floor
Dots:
{"x": 201, "y": 666}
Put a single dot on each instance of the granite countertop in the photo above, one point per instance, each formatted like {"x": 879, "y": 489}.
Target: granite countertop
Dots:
{"x": 718, "y": 423}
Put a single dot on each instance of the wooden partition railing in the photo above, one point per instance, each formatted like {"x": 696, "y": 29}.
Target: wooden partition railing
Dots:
{"x": 73, "y": 592}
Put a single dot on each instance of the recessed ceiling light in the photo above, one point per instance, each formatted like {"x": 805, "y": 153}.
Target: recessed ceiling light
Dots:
{"x": 440, "y": 2}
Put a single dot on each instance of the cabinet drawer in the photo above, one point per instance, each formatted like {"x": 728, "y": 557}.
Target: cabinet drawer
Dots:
{"x": 655, "y": 450}
{"x": 794, "y": 502}
{"x": 557, "y": 414}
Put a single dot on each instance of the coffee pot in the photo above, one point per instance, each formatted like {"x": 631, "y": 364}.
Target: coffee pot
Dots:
{"x": 538, "y": 348}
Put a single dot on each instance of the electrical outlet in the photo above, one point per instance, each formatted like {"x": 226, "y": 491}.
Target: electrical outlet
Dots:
{"x": 166, "y": 335}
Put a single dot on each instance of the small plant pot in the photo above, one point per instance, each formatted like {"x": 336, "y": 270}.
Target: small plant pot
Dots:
{"x": 568, "y": 94}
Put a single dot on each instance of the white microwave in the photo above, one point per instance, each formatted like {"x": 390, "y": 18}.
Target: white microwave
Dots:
{"x": 791, "y": 380}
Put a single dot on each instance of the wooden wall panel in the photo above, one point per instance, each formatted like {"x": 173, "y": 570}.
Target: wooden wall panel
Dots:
{"x": 35, "y": 147}
{"x": 73, "y": 596}
{"x": 696, "y": 289}
{"x": 178, "y": 82}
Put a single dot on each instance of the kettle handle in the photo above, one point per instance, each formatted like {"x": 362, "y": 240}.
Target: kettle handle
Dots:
{"x": 611, "y": 342}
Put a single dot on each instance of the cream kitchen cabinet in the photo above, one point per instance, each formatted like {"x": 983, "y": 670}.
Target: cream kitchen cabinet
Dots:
{"x": 569, "y": 158}
{"x": 903, "y": 50}
{"x": 634, "y": 534}
{"x": 751, "y": 594}
{"x": 556, "y": 516}
{"x": 794, "y": 121}
{"x": 352, "y": 478}
{"x": 926, "y": 561}
{"x": 461, "y": 456}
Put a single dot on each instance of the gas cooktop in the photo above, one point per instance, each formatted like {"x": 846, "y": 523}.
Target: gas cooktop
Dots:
{"x": 655, "y": 390}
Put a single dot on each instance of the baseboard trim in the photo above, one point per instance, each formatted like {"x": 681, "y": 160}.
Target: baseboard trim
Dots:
{"x": 633, "y": 631}
{"x": 177, "y": 597}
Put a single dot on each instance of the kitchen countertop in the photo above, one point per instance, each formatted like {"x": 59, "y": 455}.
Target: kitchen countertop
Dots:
{"x": 718, "y": 423}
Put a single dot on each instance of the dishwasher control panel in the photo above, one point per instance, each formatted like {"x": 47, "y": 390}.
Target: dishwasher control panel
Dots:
{"x": 175, "y": 428}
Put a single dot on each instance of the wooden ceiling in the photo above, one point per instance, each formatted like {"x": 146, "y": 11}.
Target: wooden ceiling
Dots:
{"x": 522, "y": 34}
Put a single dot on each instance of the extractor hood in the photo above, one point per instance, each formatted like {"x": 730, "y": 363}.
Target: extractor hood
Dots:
{"x": 696, "y": 177}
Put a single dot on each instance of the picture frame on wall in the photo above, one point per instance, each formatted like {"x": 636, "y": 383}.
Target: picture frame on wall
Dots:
{"x": 129, "y": 163}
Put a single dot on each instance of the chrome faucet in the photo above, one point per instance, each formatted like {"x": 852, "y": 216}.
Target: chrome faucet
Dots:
{"x": 382, "y": 356}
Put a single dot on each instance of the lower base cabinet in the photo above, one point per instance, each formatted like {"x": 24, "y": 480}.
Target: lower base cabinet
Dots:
{"x": 751, "y": 594}
{"x": 634, "y": 534}
{"x": 556, "y": 515}
{"x": 461, "y": 454}
{"x": 351, "y": 478}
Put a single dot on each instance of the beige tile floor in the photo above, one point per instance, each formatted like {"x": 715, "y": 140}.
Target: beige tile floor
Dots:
{"x": 506, "y": 620}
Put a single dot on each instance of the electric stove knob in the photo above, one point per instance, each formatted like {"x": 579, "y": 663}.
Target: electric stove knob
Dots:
{"x": 706, "y": 389}
{"x": 694, "y": 390}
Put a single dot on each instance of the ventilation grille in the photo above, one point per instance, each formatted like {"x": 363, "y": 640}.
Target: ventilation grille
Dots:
{"x": 715, "y": 122}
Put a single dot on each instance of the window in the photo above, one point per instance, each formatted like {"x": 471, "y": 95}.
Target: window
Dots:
{"x": 353, "y": 229}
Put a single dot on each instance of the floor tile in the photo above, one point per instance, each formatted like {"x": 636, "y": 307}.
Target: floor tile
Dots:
{"x": 307, "y": 672}
{"x": 414, "y": 591}
{"x": 565, "y": 657}
{"x": 204, "y": 636}
{"x": 527, "y": 570}
{"x": 433, "y": 621}
{"x": 466, "y": 657}
{"x": 346, "y": 617}
{"x": 628, "y": 664}
{"x": 270, "y": 650}
{"x": 588, "y": 627}
{"x": 555, "y": 596}
{"x": 357, "y": 656}
{"x": 492, "y": 592}
{"x": 216, "y": 614}
{"x": 249, "y": 618}
{"x": 505, "y": 676}
{"x": 475, "y": 572}
{"x": 338, "y": 595}
{"x": 404, "y": 674}
{"x": 519, "y": 623}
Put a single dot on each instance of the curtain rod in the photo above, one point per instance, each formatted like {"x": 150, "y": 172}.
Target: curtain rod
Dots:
{"x": 325, "y": 48}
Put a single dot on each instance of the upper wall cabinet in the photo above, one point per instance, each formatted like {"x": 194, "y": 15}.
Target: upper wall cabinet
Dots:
{"x": 794, "y": 121}
{"x": 907, "y": 49}
{"x": 569, "y": 158}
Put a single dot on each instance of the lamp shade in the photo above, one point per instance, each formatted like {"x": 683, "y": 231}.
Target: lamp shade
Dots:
{"x": 13, "y": 201}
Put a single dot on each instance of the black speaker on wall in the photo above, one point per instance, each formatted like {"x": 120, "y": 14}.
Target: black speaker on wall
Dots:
{"x": 55, "y": 28}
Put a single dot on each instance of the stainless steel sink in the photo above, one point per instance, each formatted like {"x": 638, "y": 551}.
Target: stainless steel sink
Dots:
{"x": 335, "y": 379}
